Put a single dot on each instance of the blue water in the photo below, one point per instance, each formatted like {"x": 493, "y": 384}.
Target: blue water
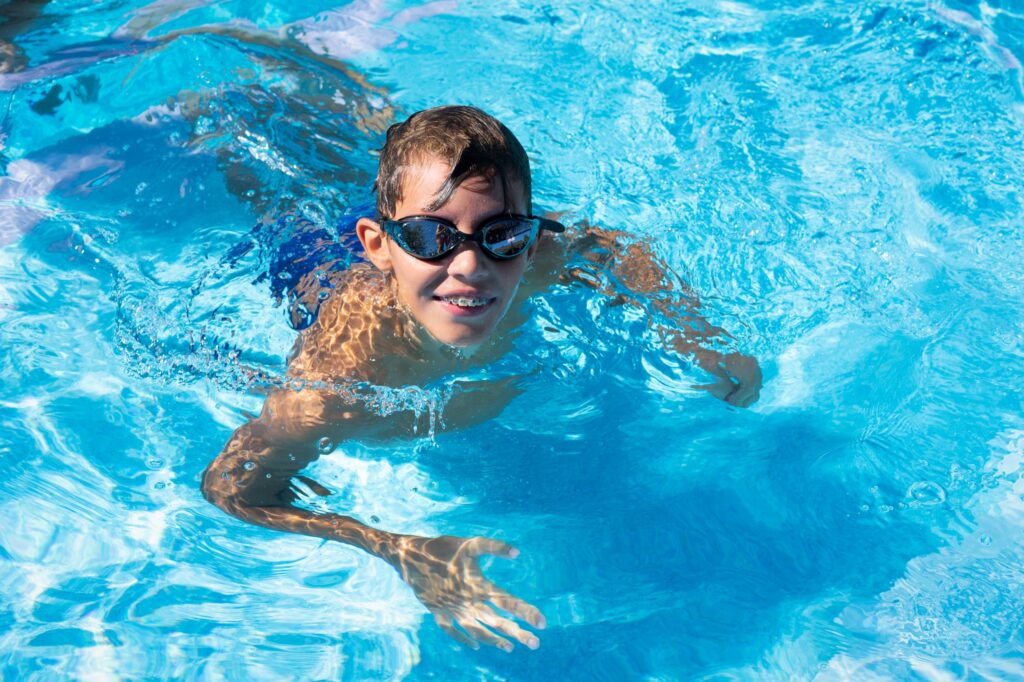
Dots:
{"x": 841, "y": 185}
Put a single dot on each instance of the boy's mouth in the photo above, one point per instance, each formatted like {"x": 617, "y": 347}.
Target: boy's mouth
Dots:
{"x": 465, "y": 305}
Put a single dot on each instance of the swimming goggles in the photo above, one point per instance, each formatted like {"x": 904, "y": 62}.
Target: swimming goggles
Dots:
{"x": 501, "y": 238}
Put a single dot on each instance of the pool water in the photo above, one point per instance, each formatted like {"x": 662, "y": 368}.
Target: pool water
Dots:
{"x": 840, "y": 183}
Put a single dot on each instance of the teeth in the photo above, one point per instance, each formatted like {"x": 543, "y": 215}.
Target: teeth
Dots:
{"x": 465, "y": 301}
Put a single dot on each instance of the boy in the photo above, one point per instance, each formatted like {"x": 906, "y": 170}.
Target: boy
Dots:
{"x": 449, "y": 256}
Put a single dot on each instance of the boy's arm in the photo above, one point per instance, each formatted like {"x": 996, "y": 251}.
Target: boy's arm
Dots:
{"x": 628, "y": 271}
{"x": 252, "y": 479}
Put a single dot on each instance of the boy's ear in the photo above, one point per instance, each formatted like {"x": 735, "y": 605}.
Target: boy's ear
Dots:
{"x": 374, "y": 242}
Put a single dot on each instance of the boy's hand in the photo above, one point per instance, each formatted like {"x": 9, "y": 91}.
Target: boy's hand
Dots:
{"x": 444, "y": 572}
{"x": 739, "y": 380}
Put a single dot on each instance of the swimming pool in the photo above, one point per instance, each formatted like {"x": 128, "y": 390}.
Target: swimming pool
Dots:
{"x": 841, "y": 185}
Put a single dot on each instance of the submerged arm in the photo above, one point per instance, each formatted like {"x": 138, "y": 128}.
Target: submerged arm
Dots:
{"x": 629, "y": 272}
{"x": 253, "y": 476}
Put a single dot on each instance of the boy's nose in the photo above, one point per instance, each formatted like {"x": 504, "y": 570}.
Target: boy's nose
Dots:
{"x": 467, "y": 261}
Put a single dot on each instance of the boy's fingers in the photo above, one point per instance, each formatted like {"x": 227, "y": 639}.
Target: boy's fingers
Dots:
{"x": 482, "y": 634}
{"x": 517, "y": 607}
{"x": 445, "y": 624}
{"x": 719, "y": 389}
{"x": 480, "y": 546}
{"x": 507, "y": 627}
{"x": 742, "y": 397}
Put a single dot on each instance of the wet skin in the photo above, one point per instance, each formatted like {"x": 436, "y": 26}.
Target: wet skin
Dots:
{"x": 392, "y": 323}
{"x": 387, "y": 326}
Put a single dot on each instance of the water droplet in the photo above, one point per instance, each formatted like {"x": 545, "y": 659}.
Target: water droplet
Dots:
{"x": 324, "y": 445}
{"x": 268, "y": 476}
{"x": 374, "y": 519}
{"x": 926, "y": 493}
{"x": 985, "y": 540}
{"x": 885, "y": 508}
{"x": 249, "y": 466}
{"x": 865, "y": 508}
{"x": 203, "y": 125}
{"x": 160, "y": 485}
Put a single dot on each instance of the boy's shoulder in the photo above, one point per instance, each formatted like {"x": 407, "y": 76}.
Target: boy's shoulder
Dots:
{"x": 357, "y": 323}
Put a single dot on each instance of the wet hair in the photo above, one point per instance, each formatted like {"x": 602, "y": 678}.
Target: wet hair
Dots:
{"x": 471, "y": 141}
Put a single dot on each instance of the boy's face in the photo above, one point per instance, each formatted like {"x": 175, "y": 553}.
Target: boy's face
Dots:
{"x": 460, "y": 298}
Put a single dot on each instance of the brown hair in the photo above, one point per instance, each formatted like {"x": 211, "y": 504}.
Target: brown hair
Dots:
{"x": 473, "y": 142}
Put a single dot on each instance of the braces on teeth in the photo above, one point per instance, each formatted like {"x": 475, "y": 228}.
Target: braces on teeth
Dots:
{"x": 465, "y": 302}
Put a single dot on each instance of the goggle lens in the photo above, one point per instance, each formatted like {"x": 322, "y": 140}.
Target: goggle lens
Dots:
{"x": 503, "y": 238}
{"x": 508, "y": 238}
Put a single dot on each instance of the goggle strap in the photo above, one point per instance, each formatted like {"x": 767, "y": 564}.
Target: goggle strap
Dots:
{"x": 549, "y": 225}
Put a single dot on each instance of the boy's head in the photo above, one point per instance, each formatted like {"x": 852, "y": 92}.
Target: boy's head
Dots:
{"x": 460, "y": 170}
{"x": 472, "y": 143}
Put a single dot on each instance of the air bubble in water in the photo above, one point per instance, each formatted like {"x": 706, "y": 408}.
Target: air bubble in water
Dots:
{"x": 249, "y": 466}
{"x": 926, "y": 493}
{"x": 324, "y": 445}
{"x": 314, "y": 211}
